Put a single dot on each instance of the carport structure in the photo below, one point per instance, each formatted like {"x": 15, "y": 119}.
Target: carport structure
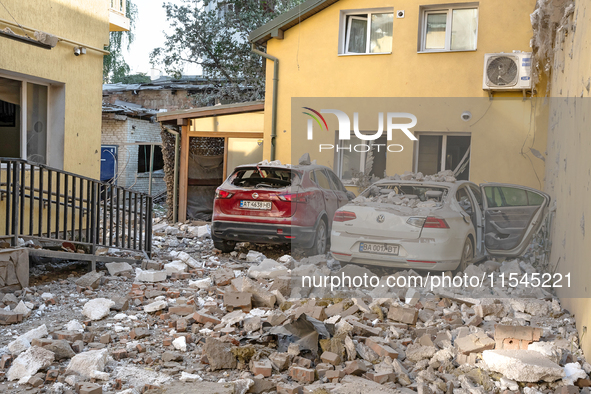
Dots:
{"x": 213, "y": 140}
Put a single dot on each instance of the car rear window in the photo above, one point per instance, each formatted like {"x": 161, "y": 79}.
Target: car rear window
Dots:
{"x": 413, "y": 191}
{"x": 264, "y": 176}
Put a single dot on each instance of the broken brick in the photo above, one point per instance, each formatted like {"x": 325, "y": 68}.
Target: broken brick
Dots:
{"x": 262, "y": 367}
{"x": 202, "y": 317}
{"x": 515, "y": 337}
{"x": 139, "y": 332}
{"x": 330, "y": 358}
{"x": 238, "y": 300}
{"x": 181, "y": 310}
{"x": 356, "y": 367}
{"x": 119, "y": 354}
{"x": 403, "y": 315}
{"x": 378, "y": 345}
{"x": 90, "y": 388}
{"x": 302, "y": 375}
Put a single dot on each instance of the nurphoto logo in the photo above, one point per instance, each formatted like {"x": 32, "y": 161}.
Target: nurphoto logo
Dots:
{"x": 345, "y": 129}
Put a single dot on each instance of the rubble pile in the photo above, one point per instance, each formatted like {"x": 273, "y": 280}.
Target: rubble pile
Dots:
{"x": 441, "y": 176}
{"x": 193, "y": 320}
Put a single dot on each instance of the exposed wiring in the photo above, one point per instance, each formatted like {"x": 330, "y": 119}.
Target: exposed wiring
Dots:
{"x": 15, "y": 21}
{"x": 485, "y": 112}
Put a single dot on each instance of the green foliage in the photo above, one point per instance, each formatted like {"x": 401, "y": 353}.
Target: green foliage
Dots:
{"x": 114, "y": 65}
{"x": 217, "y": 40}
{"x": 132, "y": 79}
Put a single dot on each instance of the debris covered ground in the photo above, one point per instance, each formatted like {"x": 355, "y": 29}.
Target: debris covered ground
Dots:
{"x": 195, "y": 321}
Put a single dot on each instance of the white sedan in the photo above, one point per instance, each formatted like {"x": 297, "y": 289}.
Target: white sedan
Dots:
{"x": 436, "y": 225}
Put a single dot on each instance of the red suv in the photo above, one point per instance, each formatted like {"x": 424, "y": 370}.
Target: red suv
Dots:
{"x": 277, "y": 204}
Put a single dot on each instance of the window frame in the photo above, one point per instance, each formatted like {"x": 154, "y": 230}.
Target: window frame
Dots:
{"x": 448, "y": 8}
{"x": 363, "y": 158}
{"x": 443, "y": 149}
{"x": 24, "y": 111}
{"x": 345, "y": 29}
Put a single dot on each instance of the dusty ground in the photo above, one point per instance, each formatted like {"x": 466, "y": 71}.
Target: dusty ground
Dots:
{"x": 178, "y": 333}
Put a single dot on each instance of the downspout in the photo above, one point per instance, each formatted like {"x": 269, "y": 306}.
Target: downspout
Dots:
{"x": 274, "y": 99}
{"x": 176, "y": 171}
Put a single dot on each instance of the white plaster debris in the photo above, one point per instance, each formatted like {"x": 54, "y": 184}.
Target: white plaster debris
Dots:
{"x": 97, "y": 308}
{"x": 28, "y": 363}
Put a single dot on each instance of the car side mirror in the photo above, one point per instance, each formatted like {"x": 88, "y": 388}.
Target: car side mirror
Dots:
{"x": 351, "y": 195}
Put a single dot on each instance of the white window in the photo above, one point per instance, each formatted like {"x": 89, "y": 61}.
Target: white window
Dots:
{"x": 32, "y": 119}
{"x": 448, "y": 28}
{"x": 439, "y": 152}
{"x": 356, "y": 157}
{"x": 364, "y": 32}
{"x": 23, "y": 120}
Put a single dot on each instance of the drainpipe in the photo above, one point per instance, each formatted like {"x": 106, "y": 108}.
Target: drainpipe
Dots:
{"x": 274, "y": 108}
{"x": 176, "y": 172}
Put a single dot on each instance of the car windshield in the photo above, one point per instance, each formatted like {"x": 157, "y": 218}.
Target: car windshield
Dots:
{"x": 421, "y": 192}
{"x": 263, "y": 177}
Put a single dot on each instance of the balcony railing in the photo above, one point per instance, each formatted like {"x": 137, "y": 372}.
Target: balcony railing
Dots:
{"x": 53, "y": 206}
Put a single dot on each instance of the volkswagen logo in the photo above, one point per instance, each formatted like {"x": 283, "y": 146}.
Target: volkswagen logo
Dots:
{"x": 255, "y": 195}
{"x": 380, "y": 218}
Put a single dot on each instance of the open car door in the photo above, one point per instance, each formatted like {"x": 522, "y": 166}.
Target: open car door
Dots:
{"x": 512, "y": 216}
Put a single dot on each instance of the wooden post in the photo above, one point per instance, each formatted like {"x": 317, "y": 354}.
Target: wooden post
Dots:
{"x": 184, "y": 174}
{"x": 225, "y": 158}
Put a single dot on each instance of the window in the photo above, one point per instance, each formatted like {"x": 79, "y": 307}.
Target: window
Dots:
{"x": 444, "y": 152}
{"x": 24, "y": 120}
{"x": 144, "y": 155}
{"x": 336, "y": 182}
{"x": 355, "y": 156}
{"x": 464, "y": 200}
{"x": 367, "y": 32}
{"x": 499, "y": 196}
{"x": 449, "y": 29}
{"x": 322, "y": 179}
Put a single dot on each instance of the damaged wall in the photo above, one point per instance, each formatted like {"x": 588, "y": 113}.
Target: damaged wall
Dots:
{"x": 568, "y": 169}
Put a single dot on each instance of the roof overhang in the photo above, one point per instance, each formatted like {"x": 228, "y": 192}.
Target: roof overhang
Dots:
{"x": 276, "y": 27}
{"x": 177, "y": 117}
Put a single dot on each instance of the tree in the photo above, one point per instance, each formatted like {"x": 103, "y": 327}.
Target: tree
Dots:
{"x": 214, "y": 35}
{"x": 115, "y": 68}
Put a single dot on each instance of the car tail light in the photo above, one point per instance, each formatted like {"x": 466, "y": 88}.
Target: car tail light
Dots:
{"x": 433, "y": 222}
{"x": 416, "y": 222}
{"x": 295, "y": 197}
{"x": 344, "y": 216}
{"x": 220, "y": 193}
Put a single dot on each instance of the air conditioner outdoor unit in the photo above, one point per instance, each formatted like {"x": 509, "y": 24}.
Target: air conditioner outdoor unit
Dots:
{"x": 507, "y": 71}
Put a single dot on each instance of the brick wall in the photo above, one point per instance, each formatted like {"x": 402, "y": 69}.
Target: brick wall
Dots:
{"x": 122, "y": 133}
{"x": 155, "y": 99}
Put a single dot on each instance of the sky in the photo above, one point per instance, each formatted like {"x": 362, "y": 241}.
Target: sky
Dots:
{"x": 149, "y": 34}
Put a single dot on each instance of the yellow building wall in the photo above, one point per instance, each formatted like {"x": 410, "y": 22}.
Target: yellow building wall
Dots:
{"x": 86, "y": 22}
{"x": 568, "y": 169}
{"x": 248, "y": 122}
{"x": 310, "y": 66}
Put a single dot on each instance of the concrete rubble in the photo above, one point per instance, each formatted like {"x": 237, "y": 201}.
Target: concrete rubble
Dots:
{"x": 194, "y": 320}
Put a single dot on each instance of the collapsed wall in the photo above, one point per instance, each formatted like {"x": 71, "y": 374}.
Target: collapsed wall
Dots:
{"x": 568, "y": 164}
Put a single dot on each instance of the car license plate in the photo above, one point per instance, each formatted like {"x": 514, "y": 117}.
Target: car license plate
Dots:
{"x": 365, "y": 247}
{"x": 263, "y": 205}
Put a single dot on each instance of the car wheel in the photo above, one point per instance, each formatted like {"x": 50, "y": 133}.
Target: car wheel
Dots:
{"x": 320, "y": 241}
{"x": 467, "y": 255}
{"x": 224, "y": 246}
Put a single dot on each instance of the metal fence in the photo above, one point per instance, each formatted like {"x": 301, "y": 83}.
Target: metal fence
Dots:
{"x": 51, "y": 205}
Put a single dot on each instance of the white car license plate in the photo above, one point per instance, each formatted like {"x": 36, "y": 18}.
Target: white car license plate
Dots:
{"x": 366, "y": 247}
{"x": 263, "y": 205}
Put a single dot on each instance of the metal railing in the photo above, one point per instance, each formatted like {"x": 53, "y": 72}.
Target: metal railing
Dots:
{"x": 49, "y": 205}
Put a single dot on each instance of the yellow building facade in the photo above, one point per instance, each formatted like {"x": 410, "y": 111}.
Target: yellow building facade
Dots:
{"x": 52, "y": 97}
{"x": 434, "y": 71}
